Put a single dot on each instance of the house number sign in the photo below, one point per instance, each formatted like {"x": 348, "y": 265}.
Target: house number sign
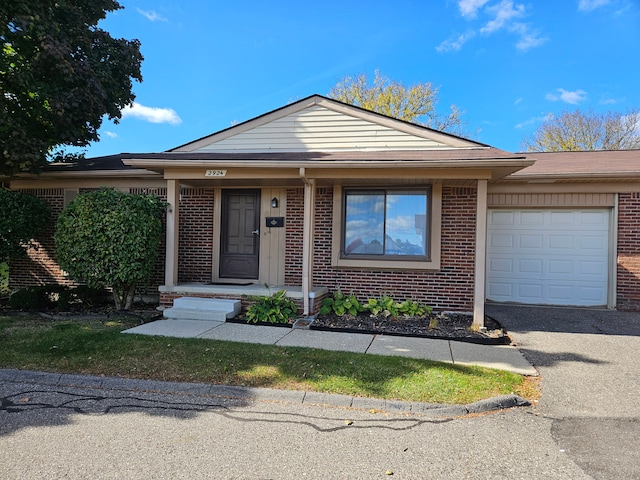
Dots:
{"x": 215, "y": 173}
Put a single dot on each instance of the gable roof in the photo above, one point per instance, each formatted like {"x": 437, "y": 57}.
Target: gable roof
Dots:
{"x": 317, "y": 123}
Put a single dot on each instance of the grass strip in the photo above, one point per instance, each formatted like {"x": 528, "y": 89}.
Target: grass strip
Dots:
{"x": 97, "y": 347}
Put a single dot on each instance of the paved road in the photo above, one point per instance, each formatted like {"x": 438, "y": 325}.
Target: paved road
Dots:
{"x": 586, "y": 425}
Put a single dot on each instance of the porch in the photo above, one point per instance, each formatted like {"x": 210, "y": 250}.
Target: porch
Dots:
{"x": 244, "y": 293}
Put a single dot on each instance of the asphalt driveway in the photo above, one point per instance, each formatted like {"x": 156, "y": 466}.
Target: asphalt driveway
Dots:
{"x": 589, "y": 361}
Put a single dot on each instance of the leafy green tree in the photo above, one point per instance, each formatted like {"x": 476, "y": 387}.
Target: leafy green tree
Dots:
{"x": 22, "y": 218}
{"x": 107, "y": 238}
{"x": 586, "y": 131}
{"x": 60, "y": 75}
{"x": 415, "y": 104}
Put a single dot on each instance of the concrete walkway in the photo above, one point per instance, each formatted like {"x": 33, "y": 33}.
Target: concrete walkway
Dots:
{"x": 501, "y": 357}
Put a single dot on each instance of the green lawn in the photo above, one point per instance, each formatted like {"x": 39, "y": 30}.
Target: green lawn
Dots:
{"x": 98, "y": 348}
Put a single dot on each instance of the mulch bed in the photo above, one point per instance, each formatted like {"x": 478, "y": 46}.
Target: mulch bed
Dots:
{"x": 449, "y": 326}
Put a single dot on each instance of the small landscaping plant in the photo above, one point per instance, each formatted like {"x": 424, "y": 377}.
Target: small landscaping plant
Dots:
{"x": 341, "y": 304}
{"x": 276, "y": 308}
{"x": 409, "y": 308}
{"x": 384, "y": 306}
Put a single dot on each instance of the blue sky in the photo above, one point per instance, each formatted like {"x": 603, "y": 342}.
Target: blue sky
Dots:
{"x": 506, "y": 64}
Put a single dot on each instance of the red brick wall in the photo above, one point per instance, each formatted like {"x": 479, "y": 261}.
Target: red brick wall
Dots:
{"x": 450, "y": 288}
{"x": 41, "y": 266}
{"x": 293, "y": 234}
{"x": 628, "y": 274}
{"x": 195, "y": 251}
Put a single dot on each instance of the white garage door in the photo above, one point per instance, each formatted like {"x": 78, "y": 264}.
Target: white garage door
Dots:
{"x": 549, "y": 257}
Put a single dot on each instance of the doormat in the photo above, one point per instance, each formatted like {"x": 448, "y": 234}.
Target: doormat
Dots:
{"x": 231, "y": 283}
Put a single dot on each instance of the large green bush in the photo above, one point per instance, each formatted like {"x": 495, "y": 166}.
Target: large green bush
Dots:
{"x": 107, "y": 238}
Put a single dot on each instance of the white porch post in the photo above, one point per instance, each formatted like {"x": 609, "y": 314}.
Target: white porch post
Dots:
{"x": 307, "y": 239}
{"x": 481, "y": 255}
{"x": 171, "y": 261}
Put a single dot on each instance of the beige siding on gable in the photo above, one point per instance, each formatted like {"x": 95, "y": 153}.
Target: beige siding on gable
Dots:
{"x": 551, "y": 199}
{"x": 319, "y": 129}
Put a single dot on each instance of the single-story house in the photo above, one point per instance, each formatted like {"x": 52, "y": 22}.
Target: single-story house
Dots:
{"x": 319, "y": 195}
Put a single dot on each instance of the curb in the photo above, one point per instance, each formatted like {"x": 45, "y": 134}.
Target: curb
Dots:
{"x": 248, "y": 394}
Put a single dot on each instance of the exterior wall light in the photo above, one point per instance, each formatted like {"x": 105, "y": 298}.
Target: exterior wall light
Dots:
{"x": 274, "y": 202}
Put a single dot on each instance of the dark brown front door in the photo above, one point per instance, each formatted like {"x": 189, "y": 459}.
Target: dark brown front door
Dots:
{"x": 240, "y": 235}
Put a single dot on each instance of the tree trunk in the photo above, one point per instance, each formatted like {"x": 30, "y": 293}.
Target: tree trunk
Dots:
{"x": 124, "y": 296}
{"x": 130, "y": 296}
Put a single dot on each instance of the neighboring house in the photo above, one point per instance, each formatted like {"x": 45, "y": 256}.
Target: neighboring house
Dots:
{"x": 319, "y": 195}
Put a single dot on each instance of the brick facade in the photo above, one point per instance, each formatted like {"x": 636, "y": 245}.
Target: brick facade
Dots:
{"x": 195, "y": 250}
{"x": 451, "y": 288}
{"x": 40, "y": 267}
{"x": 628, "y": 262}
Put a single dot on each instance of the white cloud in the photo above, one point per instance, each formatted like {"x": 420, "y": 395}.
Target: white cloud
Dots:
{"x": 532, "y": 121}
{"x": 611, "y": 101}
{"x": 528, "y": 38}
{"x": 589, "y": 5}
{"x": 469, "y": 8}
{"x": 111, "y": 134}
{"x": 151, "y": 114}
{"x": 502, "y": 15}
{"x": 454, "y": 44}
{"x": 566, "y": 96}
{"x": 504, "y": 12}
{"x": 152, "y": 15}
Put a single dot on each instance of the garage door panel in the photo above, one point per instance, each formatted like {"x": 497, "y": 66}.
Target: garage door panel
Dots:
{"x": 530, "y": 218}
{"x": 532, "y": 292}
{"x": 530, "y": 241}
{"x": 561, "y": 242}
{"x": 500, "y": 265}
{"x": 501, "y": 240}
{"x": 557, "y": 257}
{"x": 530, "y": 266}
{"x": 561, "y": 267}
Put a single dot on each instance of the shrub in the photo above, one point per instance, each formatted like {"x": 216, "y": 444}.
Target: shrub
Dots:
{"x": 82, "y": 296}
{"x": 340, "y": 304}
{"x": 276, "y": 308}
{"x": 42, "y": 297}
{"x": 110, "y": 238}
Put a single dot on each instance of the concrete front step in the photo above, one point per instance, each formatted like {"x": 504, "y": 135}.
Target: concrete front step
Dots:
{"x": 195, "y": 308}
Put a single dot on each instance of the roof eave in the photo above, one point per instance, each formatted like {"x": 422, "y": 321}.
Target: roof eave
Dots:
{"x": 155, "y": 164}
{"x": 126, "y": 173}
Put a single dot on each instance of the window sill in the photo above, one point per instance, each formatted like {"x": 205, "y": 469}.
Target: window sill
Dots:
{"x": 387, "y": 264}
